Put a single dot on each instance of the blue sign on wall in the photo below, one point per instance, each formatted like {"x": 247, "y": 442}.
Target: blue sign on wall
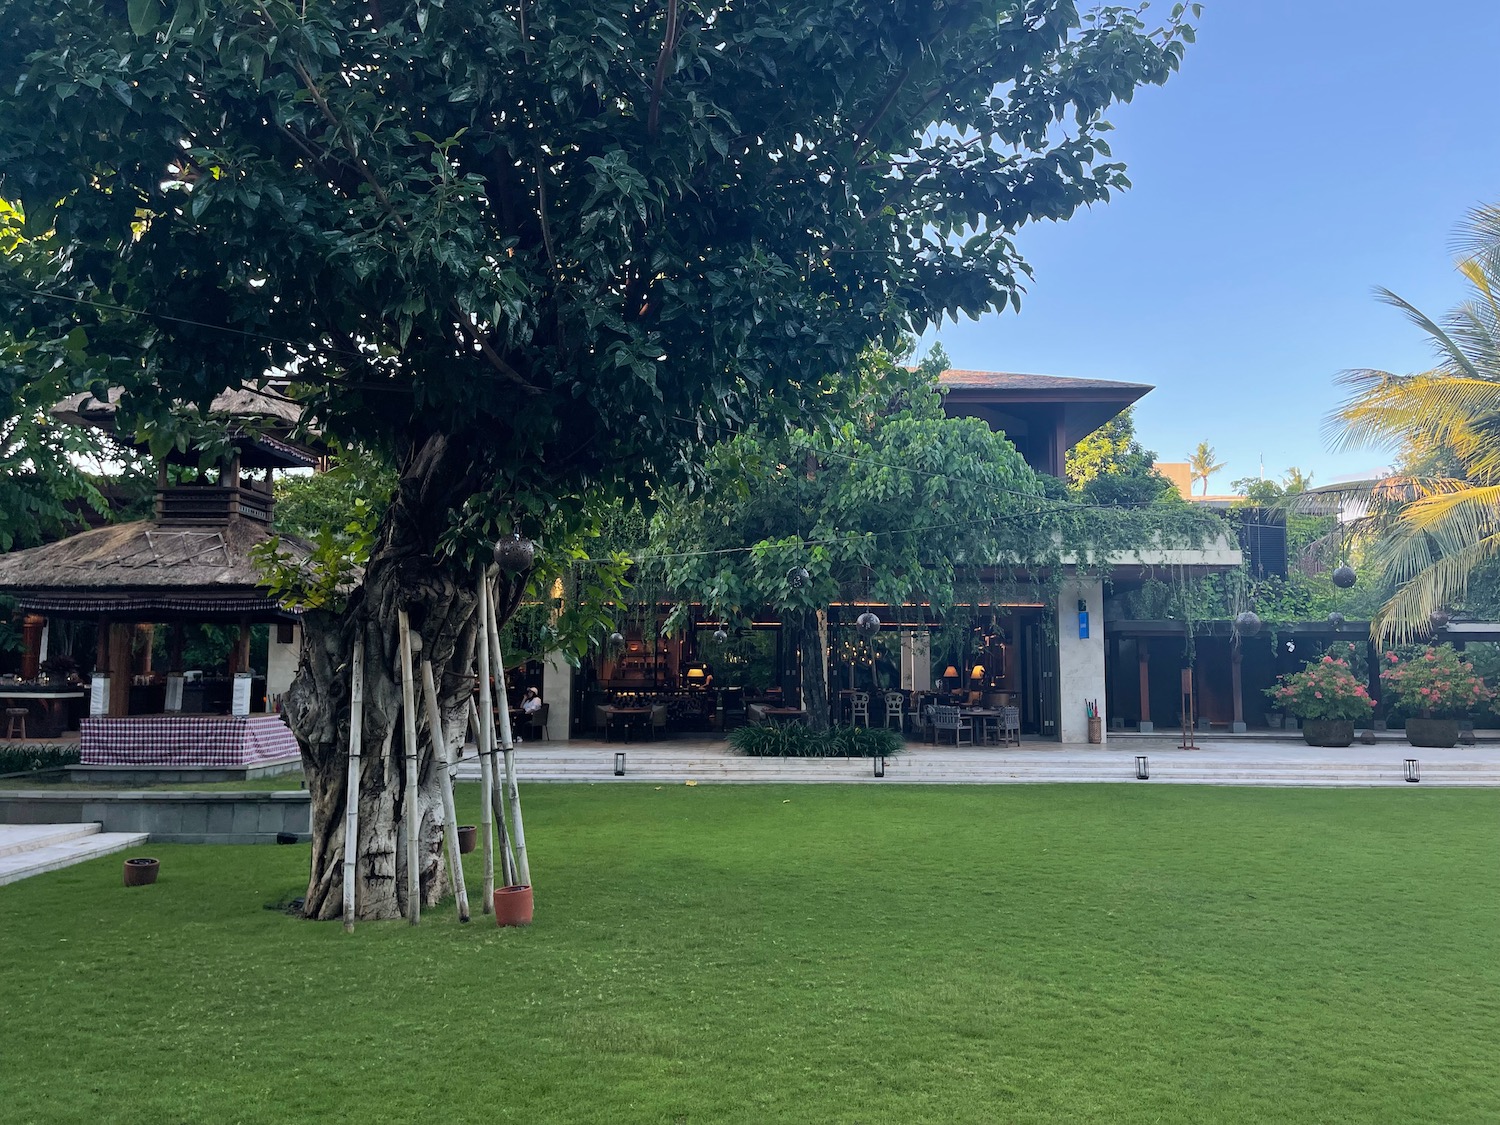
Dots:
{"x": 1083, "y": 625}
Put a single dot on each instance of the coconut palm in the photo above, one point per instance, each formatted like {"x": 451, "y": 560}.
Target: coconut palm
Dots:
{"x": 1202, "y": 464}
{"x": 1435, "y": 522}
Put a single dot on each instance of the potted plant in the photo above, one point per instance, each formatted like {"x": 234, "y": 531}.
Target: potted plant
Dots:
{"x": 1327, "y": 698}
{"x": 1434, "y": 690}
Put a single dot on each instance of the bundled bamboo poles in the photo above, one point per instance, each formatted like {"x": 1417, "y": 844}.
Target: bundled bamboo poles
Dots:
{"x": 445, "y": 783}
{"x": 409, "y": 730}
{"x": 522, "y": 873}
{"x": 486, "y": 738}
{"x": 351, "y": 797}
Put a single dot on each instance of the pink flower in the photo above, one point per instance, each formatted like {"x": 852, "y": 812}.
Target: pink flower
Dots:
{"x": 1392, "y": 657}
{"x": 1319, "y": 694}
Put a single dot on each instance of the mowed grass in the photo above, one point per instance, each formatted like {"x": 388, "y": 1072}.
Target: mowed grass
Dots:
{"x": 1111, "y": 954}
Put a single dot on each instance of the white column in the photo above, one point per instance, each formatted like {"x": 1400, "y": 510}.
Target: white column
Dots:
{"x": 557, "y": 694}
{"x": 281, "y": 662}
{"x": 1080, "y": 660}
{"x": 916, "y": 660}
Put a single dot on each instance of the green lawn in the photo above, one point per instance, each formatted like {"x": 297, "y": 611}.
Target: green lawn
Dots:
{"x": 745, "y": 954}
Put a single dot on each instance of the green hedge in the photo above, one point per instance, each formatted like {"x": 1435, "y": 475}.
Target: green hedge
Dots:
{"x": 26, "y": 756}
{"x": 795, "y": 740}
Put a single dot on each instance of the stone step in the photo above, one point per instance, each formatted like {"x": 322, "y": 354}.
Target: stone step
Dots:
{"x": 15, "y": 838}
{"x": 53, "y": 857}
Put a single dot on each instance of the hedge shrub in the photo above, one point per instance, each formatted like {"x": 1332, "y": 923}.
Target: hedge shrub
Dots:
{"x": 795, "y": 740}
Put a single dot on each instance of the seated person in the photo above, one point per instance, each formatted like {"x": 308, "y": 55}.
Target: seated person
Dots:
{"x": 532, "y": 703}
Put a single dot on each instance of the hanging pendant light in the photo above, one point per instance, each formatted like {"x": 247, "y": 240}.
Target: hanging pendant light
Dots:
{"x": 720, "y": 636}
{"x": 513, "y": 554}
{"x": 1336, "y": 619}
{"x": 1344, "y": 577}
{"x": 867, "y": 624}
{"x": 797, "y": 577}
{"x": 1247, "y": 622}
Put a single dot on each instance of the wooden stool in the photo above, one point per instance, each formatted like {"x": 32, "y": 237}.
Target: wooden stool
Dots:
{"x": 15, "y": 716}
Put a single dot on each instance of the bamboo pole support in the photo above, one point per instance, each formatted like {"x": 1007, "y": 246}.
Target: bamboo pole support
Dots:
{"x": 445, "y": 784}
{"x": 351, "y": 788}
{"x": 512, "y": 790}
{"x": 485, "y": 720}
{"x": 409, "y": 730}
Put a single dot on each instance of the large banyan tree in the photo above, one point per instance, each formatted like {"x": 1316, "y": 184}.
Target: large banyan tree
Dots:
{"x": 530, "y": 251}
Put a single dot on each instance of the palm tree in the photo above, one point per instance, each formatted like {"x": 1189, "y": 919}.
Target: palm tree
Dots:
{"x": 1435, "y": 522}
{"x": 1201, "y": 464}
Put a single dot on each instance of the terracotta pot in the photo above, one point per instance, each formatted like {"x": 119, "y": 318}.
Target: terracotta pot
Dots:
{"x": 1432, "y": 732}
{"x": 141, "y": 872}
{"x": 513, "y": 906}
{"x": 1328, "y": 732}
{"x": 468, "y": 838}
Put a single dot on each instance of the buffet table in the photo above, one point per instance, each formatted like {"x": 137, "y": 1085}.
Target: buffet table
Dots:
{"x": 186, "y": 740}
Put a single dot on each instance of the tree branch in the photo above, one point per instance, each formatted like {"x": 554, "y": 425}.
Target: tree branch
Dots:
{"x": 668, "y": 46}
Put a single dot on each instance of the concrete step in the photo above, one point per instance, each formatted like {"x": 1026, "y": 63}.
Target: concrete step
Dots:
{"x": 16, "y": 838}
{"x": 52, "y": 857}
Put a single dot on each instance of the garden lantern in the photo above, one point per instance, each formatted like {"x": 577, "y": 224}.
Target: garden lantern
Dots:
{"x": 1247, "y": 622}
{"x": 1343, "y": 577}
{"x": 513, "y": 554}
{"x": 1413, "y": 770}
{"x": 1142, "y": 770}
{"x": 619, "y": 763}
{"x": 797, "y": 577}
{"x": 879, "y": 765}
{"x": 867, "y": 624}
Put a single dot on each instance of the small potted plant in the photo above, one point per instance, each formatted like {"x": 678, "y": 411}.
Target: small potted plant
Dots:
{"x": 1434, "y": 689}
{"x": 1327, "y": 698}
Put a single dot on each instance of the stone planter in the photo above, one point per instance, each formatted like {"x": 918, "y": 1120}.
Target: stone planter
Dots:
{"x": 1328, "y": 732}
{"x": 141, "y": 872}
{"x": 1432, "y": 732}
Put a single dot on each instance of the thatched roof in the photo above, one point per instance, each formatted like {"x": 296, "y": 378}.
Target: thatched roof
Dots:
{"x": 147, "y": 571}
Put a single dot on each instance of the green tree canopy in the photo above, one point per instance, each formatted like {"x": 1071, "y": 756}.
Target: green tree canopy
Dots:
{"x": 1111, "y": 467}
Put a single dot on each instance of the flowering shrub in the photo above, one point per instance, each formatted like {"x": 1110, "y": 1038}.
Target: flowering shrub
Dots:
{"x": 1325, "y": 689}
{"x": 1437, "y": 684}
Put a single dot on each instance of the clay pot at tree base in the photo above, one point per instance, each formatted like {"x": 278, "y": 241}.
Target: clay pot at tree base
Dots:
{"x": 468, "y": 838}
{"x": 141, "y": 872}
{"x": 1328, "y": 732}
{"x": 1432, "y": 732}
{"x": 513, "y": 906}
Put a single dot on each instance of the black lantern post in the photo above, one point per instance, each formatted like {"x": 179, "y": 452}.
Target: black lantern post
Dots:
{"x": 879, "y": 765}
{"x": 1413, "y": 770}
{"x": 619, "y": 763}
{"x": 1142, "y": 768}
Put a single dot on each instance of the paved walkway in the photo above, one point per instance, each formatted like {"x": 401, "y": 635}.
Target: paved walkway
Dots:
{"x": 1231, "y": 760}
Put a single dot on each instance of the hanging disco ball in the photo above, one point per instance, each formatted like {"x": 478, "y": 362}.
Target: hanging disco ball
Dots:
{"x": 514, "y": 554}
{"x": 617, "y": 638}
{"x": 1336, "y": 619}
{"x": 720, "y": 635}
{"x": 1438, "y": 619}
{"x": 1247, "y": 622}
{"x": 867, "y": 624}
{"x": 1343, "y": 577}
{"x": 797, "y": 577}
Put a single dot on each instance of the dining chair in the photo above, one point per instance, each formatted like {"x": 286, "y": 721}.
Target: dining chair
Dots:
{"x": 895, "y": 710}
{"x": 859, "y": 711}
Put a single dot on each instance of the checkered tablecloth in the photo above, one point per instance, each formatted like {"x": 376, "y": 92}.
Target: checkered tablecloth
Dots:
{"x": 186, "y": 740}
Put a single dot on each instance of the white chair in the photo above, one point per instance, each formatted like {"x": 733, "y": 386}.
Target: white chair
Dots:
{"x": 859, "y": 710}
{"x": 1010, "y": 726}
{"x": 894, "y": 710}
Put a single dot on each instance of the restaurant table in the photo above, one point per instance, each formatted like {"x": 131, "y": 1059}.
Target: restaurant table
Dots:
{"x": 56, "y": 717}
{"x": 986, "y": 723}
{"x": 628, "y": 716}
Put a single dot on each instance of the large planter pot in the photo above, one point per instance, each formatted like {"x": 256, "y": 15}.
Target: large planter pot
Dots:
{"x": 1328, "y": 732}
{"x": 513, "y": 906}
{"x": 141, "y": 872}
{"x": 1432, "y": 732}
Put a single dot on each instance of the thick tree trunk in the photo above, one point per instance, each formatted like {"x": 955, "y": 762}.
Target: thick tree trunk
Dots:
{"x": 441, "y": 602}
{"x": 814, "y": 664}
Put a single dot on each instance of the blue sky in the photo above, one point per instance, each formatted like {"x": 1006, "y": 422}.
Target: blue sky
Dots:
{"x": 1309, "y": 151}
